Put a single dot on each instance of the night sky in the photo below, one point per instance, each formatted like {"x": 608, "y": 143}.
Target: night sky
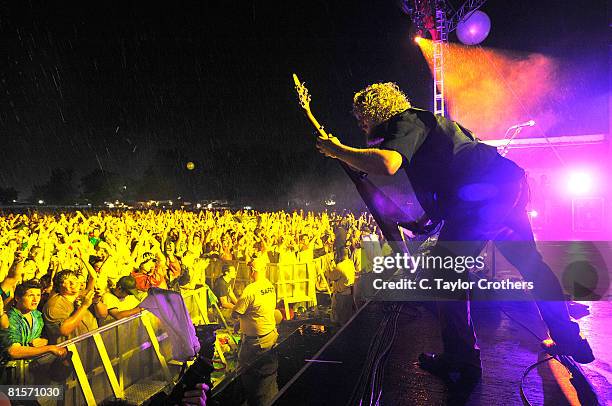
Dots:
{"x": 108, "y": 84}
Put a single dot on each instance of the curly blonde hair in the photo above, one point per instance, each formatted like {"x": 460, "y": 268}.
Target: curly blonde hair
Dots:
{"x": 379, "y": 102}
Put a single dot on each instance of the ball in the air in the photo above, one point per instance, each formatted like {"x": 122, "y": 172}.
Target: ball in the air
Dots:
{"x": 190, "y": 165}
{"x": 474, "y": 29}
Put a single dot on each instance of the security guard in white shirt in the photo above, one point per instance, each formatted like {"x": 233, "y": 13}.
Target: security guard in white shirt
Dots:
{"x": 255, "y": 309}
{"x": 342, "y": 279}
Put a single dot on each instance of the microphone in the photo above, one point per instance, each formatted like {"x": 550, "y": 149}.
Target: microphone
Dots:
{"x": 529, "y": 123}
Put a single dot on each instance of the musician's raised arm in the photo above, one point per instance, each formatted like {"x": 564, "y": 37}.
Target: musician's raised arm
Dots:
{"x": 368, "y": 160}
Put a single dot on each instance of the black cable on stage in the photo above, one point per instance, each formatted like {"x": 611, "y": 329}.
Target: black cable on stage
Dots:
{"x": 367, "y": 367}
{"x": 368, "y": 390}
{"x": 379, "y": 372}
{"x": 362, "y": 382}
{"x": 381, "y": 361}
{"x": 525, "y": 373}
{"x": 378, "y": 355}
{"x": 534, "y": 365}
{"x": 365, "y": 378}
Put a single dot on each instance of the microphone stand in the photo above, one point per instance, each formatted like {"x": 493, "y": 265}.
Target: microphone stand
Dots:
{"x": 506, "y": 148}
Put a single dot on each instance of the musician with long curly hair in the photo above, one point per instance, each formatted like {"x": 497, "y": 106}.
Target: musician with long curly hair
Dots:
{"x": 480, "y": 196}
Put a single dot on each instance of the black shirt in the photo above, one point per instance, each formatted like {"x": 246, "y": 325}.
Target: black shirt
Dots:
{"x": 443, "y": 160}
{"x": 222, "y": 288}
{"x": 340, "y": 233}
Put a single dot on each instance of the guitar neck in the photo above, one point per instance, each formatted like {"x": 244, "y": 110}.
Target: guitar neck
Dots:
{"x": 354, "y": 175}
{"x": 316, "y": 124}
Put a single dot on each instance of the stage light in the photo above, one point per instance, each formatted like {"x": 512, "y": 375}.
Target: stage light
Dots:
{"x": 474, "y": 29}
{"x": 532, "y": 213}
{"x": 579, "y": 183}
{"x": 418, "y": 39}
{"x": 190, "y": 166}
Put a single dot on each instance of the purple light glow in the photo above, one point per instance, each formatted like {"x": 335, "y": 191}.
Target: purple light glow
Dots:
{"x": 474, "y": 29}
{"x": 475, "y": 192}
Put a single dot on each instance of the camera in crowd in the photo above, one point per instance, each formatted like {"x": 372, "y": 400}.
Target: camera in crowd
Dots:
{"x": 199, "y": 372}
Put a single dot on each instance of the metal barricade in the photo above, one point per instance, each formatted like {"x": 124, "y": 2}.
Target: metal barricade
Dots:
{"x": 131, "y": 358}
{"x": 127, "y": 359}
{"x": 294, "y": 283}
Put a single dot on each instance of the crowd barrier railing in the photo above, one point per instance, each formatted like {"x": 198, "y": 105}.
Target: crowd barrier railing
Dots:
{"x": 294, "y": 282}
{"x": 127, "y": 359}
{"x": 131, "y": 358}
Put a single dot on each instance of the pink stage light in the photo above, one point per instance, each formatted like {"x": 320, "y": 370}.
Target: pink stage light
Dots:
{"x": 579, "y": 183}
{"x": 532, "y": 213}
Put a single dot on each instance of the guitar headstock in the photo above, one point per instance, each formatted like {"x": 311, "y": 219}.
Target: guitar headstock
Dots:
{"x": 302, "y": 93}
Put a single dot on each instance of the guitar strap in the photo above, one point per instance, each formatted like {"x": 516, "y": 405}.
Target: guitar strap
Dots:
{"x": 386, "y": 213}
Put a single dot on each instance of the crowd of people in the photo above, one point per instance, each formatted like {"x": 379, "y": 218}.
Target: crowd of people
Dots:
{"x": 65, "y": 274}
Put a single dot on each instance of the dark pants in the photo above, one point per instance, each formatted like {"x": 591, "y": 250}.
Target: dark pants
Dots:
{"x": 260, "y": 381}
{"x": 251, "y": 348}
{"x": 500, "y": 217}
{"x": 342, "y": 308}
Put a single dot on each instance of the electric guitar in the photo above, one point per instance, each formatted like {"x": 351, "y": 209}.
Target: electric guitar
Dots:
{"x": 384, "y": 210}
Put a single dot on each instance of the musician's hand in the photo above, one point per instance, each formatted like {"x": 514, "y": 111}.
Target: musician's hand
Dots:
{"x": 419, "y": 227}
{"x": 330, "y": 146}
{"x": 413, "y": 228}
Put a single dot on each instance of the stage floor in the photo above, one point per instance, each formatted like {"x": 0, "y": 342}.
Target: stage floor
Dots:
{"x": 508, "y": 349}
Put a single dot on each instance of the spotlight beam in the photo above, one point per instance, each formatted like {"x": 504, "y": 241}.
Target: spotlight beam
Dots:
{"x": 422, "y": 15}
